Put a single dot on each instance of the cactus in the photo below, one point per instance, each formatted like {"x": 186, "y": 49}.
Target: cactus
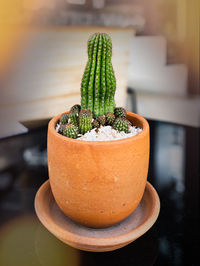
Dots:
{"x": 71, "y": 131}
{"x": 120, "y": 112}
{"x": 61, "y": 128}
{"x": 76, "y": 108}
{"x": 110, "y": 118}
{"x": 73, "y": 117}
{"x": 121, "y": 124}
{"x": 64, "y": 119}
{"x": 98, "y": 84}
{"x": 102, "y": 120}
{"x": 85, "y": 121}
{"x": 95, "y": 124}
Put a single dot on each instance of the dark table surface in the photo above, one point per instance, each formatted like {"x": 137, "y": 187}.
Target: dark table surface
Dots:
{"x": 173, "y": 171}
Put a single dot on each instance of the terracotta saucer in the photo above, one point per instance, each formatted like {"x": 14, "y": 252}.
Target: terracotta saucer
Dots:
{"x": 98, "y": 240}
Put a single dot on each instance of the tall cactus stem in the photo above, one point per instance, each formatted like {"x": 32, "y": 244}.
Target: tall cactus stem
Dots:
{"x": 92, "y": 76}
{"x": 97, "y": 79}
{"x": 98, "y": 83}
{"x": 86, "y": 75}
{"x": 103, "y": 77}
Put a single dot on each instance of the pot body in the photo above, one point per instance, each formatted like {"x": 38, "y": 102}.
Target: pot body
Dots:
{"x": 98, "y": 184}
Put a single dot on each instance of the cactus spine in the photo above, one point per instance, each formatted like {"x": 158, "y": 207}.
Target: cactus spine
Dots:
{"x": 110, "y": 118}
{"x": 85, "y": 121}
{"x": 64, "y": 119}
{"x": 76, "y": 108}
{"x": 120, "y": 112}
{"x": 102, "y": 120}
{"x": 73, "y": 117}
{"x": 71, "y": 131}
{"x": 95, "y": 124}
{"x": 98, "y": 83}
{"x": 121, "y": 124}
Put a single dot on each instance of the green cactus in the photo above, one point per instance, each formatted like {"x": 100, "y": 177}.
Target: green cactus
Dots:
{"x": 120, "y": 112}
{"x": 64, "y": 119}
{"x": 71, "y": 131}
{"x": 110, "y": 118}
{"x": 95, "y": 124}
{"x": 76, "y": 107}
{"x": 121, "y": 124}
{"x": 61, "y": 128}
{"x": 85, "y": 121}
{"x": 102, "y": 120}
{"x": 98, "y": 83}
{"x": 73, "y": 117}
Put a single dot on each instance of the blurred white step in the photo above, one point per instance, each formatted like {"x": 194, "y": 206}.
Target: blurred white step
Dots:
{"x": 169, "y": 79}
{"x": 180, "y": 110}
{"x": 148, "y": 70}
{"x": 148, "y": 51}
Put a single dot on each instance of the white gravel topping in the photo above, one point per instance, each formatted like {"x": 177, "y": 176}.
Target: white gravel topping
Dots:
{"x": 108, "y": 133}
{"x": 105, "y": 133}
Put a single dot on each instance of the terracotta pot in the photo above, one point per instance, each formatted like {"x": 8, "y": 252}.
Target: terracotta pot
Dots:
{"x": 98, "y": 184}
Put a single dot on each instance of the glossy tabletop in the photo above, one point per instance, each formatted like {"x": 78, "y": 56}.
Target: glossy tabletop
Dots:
{"x": 173, "y": 171}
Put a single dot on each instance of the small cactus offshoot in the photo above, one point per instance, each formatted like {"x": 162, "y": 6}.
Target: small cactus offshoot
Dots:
{"x": 64, "y": 119}
{"x": 120, "y": 112}
{"x": 73, "y": 117}
{"x": 95, "y": 124}
{"x": 71, "y": 131}
{"x": 102, "y": 120}
{"x": 61, "y": 128}
{"x": 121, "y": 124}
{"x": 110, "y": 118}
{"x": 76, "y": 107}
{"x": 85, "y": 121}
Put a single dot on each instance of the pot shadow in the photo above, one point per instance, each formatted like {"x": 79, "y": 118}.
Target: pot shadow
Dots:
{"x": 51, "y": 251}
{"x": 142, "y": 251}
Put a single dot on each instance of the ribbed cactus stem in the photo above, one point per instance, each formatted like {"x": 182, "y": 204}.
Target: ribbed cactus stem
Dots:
{"x": 110, "y": 118}
{"x": 86, "y": 75}
{"x": 121, "y": 124}
{"x": 76, "y": 108}
{"x": 85, "y": 121}
{"x": 98, "y": 83}
{"x": 73, "y": 117}
{"x": 113, "y": 86}
{"x": 98, "y": 79}
{"x": 95, "y": 124}
{"x": 120, "y": 112}
{"x": 103, "y": 77}
{"x": 108, "y": 75}
{"x": 71, "y": 131}
{"x": 102, "y": 120}
{"x": 64, "y": 119}
{"x": 91, "y": 90}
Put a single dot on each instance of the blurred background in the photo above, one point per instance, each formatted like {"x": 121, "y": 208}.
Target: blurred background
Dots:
{"x": 43, "y": 55}
{"x": 156, "y": 60}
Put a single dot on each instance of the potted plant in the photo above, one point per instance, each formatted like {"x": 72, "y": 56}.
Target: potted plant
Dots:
{"x": 97, "y": 183}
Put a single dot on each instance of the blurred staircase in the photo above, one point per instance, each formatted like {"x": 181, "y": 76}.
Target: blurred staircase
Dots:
{"x": 161, "y": 88}
{"x": 148, "y": 70}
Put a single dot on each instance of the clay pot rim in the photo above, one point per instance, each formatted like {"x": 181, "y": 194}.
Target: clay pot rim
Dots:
{"x": 143, "y": 121}
{"x": 105, "y": 241}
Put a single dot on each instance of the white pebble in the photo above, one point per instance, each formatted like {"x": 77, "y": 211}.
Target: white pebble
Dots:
{"x": 108, "y": 133}
{"x": 57, "y": 127}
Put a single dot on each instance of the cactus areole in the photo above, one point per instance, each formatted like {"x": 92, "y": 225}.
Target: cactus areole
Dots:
{"x": 98, "y": 83}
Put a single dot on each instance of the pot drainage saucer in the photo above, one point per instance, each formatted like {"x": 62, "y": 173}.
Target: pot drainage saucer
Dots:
{"x": 98, "y": 240}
